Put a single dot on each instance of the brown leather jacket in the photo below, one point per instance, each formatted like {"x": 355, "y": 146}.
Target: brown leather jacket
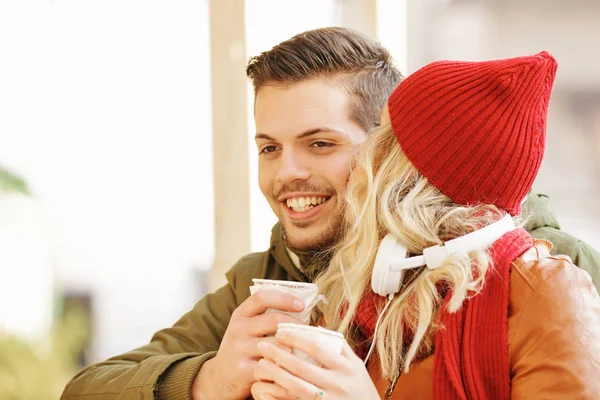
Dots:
{"x": 553, "y": 334}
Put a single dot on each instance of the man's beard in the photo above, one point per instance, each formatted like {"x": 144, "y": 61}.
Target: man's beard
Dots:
{"x": 316, "y": 257}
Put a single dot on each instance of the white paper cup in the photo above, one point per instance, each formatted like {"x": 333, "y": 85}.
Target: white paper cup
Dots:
{"x": 333, "y": 340}
{"x": 307, "y": 292}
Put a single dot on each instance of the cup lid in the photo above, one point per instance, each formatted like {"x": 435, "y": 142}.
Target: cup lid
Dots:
{"x": 308, "y": 329}
{"x": 289, "y": 284}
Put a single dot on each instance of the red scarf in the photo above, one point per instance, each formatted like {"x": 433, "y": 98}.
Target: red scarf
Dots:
{"x": 471, "y": 353}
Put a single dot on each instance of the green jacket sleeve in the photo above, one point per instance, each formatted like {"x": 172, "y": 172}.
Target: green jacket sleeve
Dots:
{"x": 167, "y": 366}
{"x": 543, "y": 224}
{"x": 588, "y": 259}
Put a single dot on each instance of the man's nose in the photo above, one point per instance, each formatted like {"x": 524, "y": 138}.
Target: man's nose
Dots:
{"x": 292, "y": 168}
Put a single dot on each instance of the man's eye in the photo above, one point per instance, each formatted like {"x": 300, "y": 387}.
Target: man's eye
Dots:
{"x": 321, "y": 144}
{"x": 268, "y": 149}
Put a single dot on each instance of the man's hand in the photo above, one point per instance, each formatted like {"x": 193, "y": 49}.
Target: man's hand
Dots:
{"x": 230, "y": 374}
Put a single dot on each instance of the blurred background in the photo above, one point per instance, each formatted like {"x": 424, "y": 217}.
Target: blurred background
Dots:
{"x": 127, "y": 166}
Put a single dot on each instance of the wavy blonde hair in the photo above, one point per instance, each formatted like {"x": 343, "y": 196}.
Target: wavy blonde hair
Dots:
{"x": 387, "y": 194}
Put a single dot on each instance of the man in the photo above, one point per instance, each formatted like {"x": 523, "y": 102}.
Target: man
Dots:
{"x": 316, "y": 97}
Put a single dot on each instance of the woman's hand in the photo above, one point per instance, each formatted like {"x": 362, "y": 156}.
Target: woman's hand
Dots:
{"x": 282, "y": 376}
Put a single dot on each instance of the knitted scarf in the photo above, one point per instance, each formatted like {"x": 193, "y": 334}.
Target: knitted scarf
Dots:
{"x": 471, "y": 352}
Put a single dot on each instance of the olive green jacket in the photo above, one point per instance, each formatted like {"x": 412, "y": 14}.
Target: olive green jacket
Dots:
{"x": 166, "y": 367}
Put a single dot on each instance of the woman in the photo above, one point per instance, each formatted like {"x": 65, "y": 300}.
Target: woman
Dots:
{"x": 459, "y": 146}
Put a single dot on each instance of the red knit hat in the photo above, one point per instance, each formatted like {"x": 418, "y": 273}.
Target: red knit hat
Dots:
{"x": 476, "y": 130}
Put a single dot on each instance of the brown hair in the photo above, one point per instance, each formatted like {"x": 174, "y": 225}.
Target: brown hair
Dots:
{"x": 362, "y": 65}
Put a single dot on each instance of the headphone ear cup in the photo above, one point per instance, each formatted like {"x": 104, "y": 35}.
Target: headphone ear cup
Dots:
{"x": 384, "y": 280}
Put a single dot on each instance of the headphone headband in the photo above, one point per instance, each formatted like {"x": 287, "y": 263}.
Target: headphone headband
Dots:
{"x": 391, "y": 261}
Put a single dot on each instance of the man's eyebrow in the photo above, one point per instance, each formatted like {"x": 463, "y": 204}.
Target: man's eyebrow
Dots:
{"x": 302, "y": 135}
{"x": 263, "y": 136}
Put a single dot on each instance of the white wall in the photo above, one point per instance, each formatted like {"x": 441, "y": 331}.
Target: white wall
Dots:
{"x": 26, "y": 291}
{"x": 104, "y": 109}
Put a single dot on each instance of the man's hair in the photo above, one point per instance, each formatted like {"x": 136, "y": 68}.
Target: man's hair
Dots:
{"x": 360, "y": 64}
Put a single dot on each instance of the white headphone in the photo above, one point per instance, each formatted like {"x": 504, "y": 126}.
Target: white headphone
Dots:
{"x": 391, "y": 261}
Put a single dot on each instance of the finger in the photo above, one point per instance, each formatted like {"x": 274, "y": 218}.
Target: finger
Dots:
{"x": 259, "y": 393}
{"x": 264, "y": 390}
{"x": 297, "y": 367}
{"x": 349, "y": 353}
{"x": 272, "y": 340}
{"x": 314, "y": 348}
{"x": 253, "y": 351}
{"x": 263, "y": 299}
{"x": 294, "y": 385}
{"x": 266, "y": 324}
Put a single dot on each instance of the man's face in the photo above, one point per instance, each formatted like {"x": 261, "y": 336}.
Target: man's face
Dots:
{"x": 306, "y": 142}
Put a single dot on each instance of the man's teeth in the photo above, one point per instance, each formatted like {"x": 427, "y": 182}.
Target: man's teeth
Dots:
{"x": 301, "y": 204}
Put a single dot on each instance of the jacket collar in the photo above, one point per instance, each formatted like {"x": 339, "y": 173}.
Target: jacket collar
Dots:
{"x": 284, "y": 256}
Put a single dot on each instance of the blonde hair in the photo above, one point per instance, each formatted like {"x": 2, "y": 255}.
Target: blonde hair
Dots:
{"x": 387, "y": 194}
